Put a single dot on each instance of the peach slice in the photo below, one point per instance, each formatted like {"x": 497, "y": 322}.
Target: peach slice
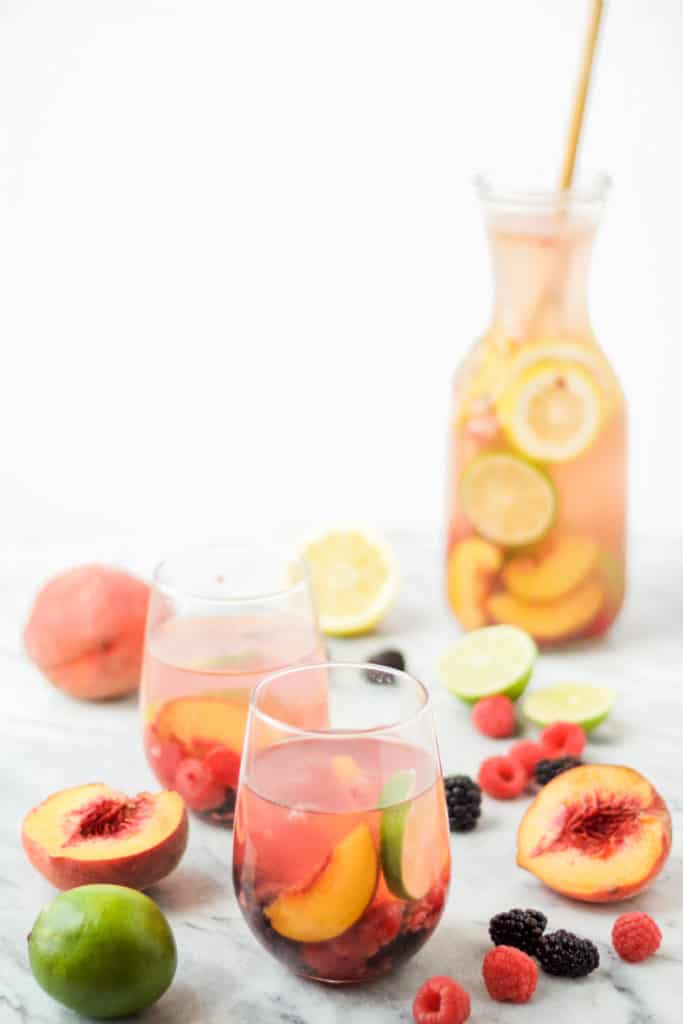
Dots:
{"x": 551, "y": 621}
{"x": 472, "y": 566}
{"x": 599, "y": 833}
{"x": 202, "y": 722}
{"x": 335, "y": 897}
{"x": 553, "y": 574}
{"x": 90, "y": 834}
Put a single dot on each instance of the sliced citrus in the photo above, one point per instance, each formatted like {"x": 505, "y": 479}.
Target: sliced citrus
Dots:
{"x": 489, "y": 661}
{"x": 585, "y": 705}
{"x": 409, "y": 837}
{"x": 354, "y": 579}
{"x": 506, "y": 499}
{"x": 553, "y": 412}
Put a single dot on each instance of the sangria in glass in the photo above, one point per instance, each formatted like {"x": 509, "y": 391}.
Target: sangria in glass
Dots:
{"x": 537, "y": 478}
{"x": 219, "y": 620}
{"x": 341, "y": 856}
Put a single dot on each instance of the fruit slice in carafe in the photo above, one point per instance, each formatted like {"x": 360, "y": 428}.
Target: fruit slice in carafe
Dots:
{"x": 553, "y": 412}
{"x": 507, "y": 500}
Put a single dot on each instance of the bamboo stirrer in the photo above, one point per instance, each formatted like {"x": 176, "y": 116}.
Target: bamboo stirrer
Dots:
{"x": 581, "y": 95}
{"x": 574, "y": 137}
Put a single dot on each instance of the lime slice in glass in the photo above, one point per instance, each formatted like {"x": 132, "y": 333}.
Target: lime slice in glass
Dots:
{"x": 488, "y": 661}
{"x": 585, "y": 705}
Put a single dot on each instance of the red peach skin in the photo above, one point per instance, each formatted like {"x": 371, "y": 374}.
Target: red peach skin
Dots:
{"x": 86, "y": 631}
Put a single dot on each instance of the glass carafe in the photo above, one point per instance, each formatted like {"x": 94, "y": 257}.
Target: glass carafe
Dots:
{"x": 537, "y": 473}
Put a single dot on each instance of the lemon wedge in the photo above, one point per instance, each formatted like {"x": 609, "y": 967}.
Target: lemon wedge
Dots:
{"x": 553, "y": 412}
{"x": 355, "y": 579}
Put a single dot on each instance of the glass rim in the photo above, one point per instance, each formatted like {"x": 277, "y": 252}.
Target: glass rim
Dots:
{"x": 361, "y": 666}
{"x": 171, "y": 587}
{"x": 588, "y": 190}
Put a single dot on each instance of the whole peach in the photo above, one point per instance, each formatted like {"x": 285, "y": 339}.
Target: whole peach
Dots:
{"x": 86, "y": 631}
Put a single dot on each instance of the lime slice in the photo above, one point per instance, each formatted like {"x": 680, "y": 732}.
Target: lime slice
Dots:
{"x": 507, "y": 500}
{"x": 496, "y": 659}
{"x": 354, "y": 577}
{"x": 585, "y": 705}
{"x": 553, "y": 412}
{"x": 408, "y": 830}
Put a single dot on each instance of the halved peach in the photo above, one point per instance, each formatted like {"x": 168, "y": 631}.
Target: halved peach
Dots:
{"x": 335, "y": 897}
{"x": 88, "y": 834}
{"x": 202, "y": 722}
{"x": 598, "y": 833}
{"x": 553, "y": 573}
{"x": 551, "y": 621}
{"x": 472, "y": 567}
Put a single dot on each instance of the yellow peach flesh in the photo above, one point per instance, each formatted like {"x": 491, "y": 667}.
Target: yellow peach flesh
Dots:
{"x": 607, "y": 874}
{"x": 472, "y": 566}
{"x": 554, "y": 620}
{"x": 335, "y": 898}
{"x": 554, "y": 573}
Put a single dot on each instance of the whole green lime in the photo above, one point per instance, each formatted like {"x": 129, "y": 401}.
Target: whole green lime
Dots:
{"x": 103, "y": 950}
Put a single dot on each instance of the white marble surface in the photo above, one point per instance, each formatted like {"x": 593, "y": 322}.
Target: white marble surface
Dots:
{"x": 48, "y": 741}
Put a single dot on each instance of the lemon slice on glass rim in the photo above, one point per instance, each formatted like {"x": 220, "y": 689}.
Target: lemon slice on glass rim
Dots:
{"x": 553, "y": 412}
{"x": 354, "y": 576}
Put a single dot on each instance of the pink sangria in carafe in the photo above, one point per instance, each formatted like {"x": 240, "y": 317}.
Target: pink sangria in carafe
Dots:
{"x": 537, "y": 484}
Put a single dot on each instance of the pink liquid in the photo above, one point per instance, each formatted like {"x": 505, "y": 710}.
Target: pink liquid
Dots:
{"x": 197, "y": 678}
{"x": 302, "y": 800}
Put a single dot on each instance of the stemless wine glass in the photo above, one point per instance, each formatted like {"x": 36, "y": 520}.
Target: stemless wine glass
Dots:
{"x": 341, "y": 858}
{"x": 220, "y": 619}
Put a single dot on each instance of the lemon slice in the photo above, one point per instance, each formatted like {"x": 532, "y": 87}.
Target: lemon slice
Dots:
{"x": 354, "y": 577}
{"x": 507, "y": 500}
{"x": 553, "y": 412}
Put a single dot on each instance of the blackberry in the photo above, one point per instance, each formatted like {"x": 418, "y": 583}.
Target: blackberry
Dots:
{"x": 463, "y": 797}
{"x": 522, "y": 929}
{"x": 550, "y": 767}
{"x": 566, "y": 955}
{"x": 390, "y": 659}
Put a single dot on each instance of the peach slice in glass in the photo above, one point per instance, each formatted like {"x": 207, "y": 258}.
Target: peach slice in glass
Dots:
{"x": 335, "y": 897}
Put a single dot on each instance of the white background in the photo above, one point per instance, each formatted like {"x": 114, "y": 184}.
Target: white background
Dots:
{"x": 240, "y": 255}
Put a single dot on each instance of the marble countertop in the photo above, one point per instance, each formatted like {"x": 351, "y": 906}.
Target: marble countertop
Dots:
{"x": 49, "y": 741}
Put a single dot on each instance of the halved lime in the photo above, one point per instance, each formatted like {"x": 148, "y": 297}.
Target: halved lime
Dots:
{"x": 488, "y": 661}
{"x": 507, "y": 500}
{"x": 585, "y": 705}
{"x": 409, "y": 852}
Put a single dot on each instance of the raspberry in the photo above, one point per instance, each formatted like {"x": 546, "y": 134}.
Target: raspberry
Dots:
{"x": 441, "y": 1001}
{"x": 528, "y": 754}
{"x": 502, "y": 778}
{"x": 494, "y": 717}
{"x": 165, "y": 754}
{"x": 561, "y": 739}
{"x": 195, "y": 785}
{"x": 223, "y": 765}
{"x": 635, "y": 937}
{"x": 510, "y": 976}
